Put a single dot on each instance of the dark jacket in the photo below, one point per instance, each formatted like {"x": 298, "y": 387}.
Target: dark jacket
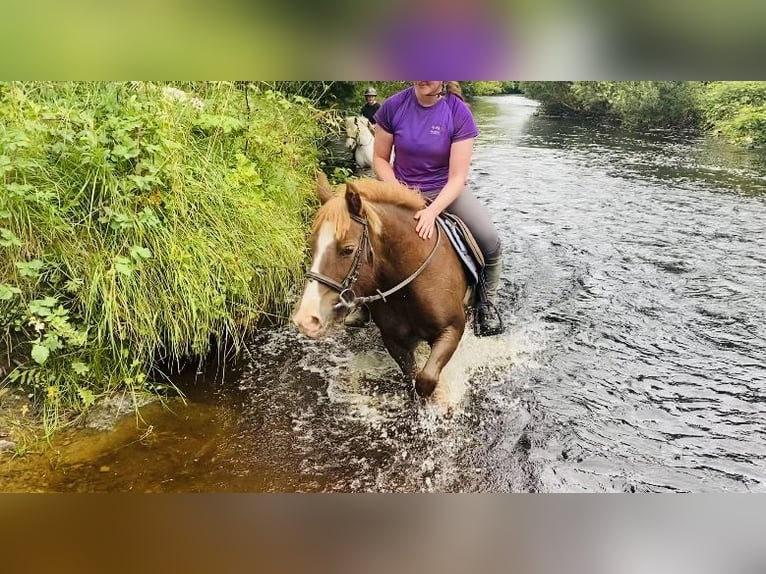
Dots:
{"x": 368, "y": 111}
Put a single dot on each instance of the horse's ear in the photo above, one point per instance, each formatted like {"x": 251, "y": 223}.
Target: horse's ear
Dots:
{"x": 323, "y": 188}
{"x": 353, "y": 199}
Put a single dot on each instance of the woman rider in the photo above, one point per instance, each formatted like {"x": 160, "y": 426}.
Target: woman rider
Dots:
{"x": 433, "y": 132}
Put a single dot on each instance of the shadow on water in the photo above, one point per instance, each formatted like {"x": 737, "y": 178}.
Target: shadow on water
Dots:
{"x": 634, "y": 359}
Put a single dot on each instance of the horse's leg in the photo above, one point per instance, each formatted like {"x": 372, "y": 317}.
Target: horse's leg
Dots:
{"x": 442, "y": 349}
{"x": 403, "y": 352}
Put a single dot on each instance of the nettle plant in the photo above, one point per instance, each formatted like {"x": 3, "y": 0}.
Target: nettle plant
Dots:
{"x": 45, "y": 330}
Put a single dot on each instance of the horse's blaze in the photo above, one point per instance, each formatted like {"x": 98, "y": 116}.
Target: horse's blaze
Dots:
{"x": 308, "y": 318}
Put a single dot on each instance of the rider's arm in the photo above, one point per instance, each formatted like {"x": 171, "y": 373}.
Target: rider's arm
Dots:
{"x": 459, "y": 161}
{"x": 381, "y": 155}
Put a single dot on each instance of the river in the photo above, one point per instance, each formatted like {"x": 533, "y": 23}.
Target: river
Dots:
{"x": 634, "y": 292}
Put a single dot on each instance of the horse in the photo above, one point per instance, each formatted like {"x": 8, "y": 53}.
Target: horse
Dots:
{"x": 364, "y": 250}
{"x": 360, "y": 139}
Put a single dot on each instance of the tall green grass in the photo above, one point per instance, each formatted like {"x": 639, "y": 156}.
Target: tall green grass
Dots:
{"x": 140, "y": 221}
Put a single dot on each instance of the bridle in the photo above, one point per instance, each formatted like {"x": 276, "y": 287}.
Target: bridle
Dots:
{"x": 347, "y": 298}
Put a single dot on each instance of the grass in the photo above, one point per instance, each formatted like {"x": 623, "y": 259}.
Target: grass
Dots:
{"x": 138, "y": 223}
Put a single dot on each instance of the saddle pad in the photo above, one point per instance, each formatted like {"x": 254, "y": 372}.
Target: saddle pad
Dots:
{"x": 465, "y": 245}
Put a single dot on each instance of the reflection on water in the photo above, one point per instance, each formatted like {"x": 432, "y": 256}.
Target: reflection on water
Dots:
{"x": 634, "y": 360}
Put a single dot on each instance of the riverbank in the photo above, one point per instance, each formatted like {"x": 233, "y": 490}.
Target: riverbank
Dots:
{"x": 124, "y": 444}
{"x": 35, "y": 464}
{"x": 142, "y": 223}
{"x": 733, "y": 110}
{"x": 23, "y": 431}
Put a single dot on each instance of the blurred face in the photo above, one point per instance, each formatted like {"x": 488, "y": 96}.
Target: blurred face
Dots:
{"x": 370, "y": 99}
{"x": 427, "y": 89}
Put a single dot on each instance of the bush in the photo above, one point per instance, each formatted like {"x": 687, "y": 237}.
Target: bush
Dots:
{"x": 637, "y": 105}
{"x": 736, "y": 110}
{"x": 555, "y": 98}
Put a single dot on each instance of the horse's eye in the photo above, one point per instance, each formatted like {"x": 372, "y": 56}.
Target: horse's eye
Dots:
{"x": 347, "y": 250}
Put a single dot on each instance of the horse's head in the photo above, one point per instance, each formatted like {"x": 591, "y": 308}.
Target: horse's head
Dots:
{"x": 339, "y": 248}
{"x": 351, "y": 125}
{"x": 359, "y": 131}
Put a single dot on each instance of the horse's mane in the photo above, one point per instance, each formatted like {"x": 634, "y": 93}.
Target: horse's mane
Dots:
{"x": 372, "y": 192}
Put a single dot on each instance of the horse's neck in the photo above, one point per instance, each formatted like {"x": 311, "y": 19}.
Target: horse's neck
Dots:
{"x": 364, "y": 136}
{"x": 399, "y": 243}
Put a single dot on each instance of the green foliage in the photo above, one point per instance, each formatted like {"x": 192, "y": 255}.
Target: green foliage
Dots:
{"x": 737, "y": 111}
{"x": 555, "y": 97}
{"x": 484, "y": 88}
{"x": 319, "y": 93}
{"x": 341, "y": 175}
{"x": 138, "y": 220}
{"x": 645, "y": 105}
{"x": 637, "y": 105}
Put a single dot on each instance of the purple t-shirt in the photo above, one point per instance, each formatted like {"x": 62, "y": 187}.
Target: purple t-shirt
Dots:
{"x": 423, "y": 136}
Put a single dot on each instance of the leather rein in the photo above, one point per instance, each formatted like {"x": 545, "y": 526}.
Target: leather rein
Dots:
{"x": 347, "y": 298}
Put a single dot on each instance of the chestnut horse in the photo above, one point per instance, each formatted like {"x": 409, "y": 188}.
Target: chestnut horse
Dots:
{"x": 365, "y": 250}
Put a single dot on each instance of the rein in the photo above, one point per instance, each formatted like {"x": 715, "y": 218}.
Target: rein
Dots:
{"x": 348, "y": 298}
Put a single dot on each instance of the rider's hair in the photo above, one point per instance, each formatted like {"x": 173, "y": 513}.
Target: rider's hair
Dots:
{"x": 453, "y": 88}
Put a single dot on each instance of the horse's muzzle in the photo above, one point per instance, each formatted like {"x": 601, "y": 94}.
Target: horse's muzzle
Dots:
{"x": 309, "y": 325}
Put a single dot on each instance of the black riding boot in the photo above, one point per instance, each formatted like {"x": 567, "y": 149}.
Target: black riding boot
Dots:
{"x": 488, "y": 320}
{"x": 358, "y": 317}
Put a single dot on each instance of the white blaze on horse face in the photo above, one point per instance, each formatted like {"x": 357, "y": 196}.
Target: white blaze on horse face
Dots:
{"x": 309, "y": 318}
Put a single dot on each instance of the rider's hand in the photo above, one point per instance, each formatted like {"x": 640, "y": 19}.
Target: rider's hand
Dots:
{"x": 426, "y": 222}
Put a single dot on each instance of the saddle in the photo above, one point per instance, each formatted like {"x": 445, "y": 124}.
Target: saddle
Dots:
{"x": 465, "y": 245}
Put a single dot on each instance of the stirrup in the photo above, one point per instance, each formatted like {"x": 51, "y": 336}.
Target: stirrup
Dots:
{"x": 482, "y": 311}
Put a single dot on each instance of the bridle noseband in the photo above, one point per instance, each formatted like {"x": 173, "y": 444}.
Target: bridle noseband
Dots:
{"x": 347, "y": 298}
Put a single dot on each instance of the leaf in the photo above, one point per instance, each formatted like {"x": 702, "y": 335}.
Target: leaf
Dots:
{"x": 80, "y": 368}
{"x": 40, "y": 353}
{"x": 73, "y": 284}
{"x": 8, "y": 238}
{"x": 138, "y": 253}
{"x": 7, "y": 292}
{"x": 123, "y": 152}
{"x": 29, "y": 268}
{"x": 42, "y": 307}
{"x": 147, "y": 217}
{"x": 19, "y": 189}
{"x": 86, "y": 396}
{"x": 52, "y": 342}
{"x": 123, "y": 265}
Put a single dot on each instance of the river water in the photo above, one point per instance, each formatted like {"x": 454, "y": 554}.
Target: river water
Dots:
{"x": 634, "y": 292}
